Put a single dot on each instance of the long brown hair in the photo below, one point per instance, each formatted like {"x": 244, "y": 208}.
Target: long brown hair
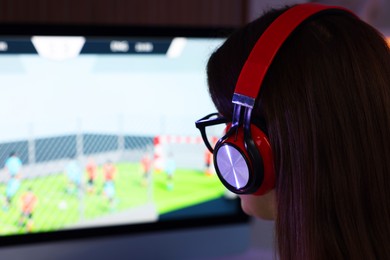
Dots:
{"x": 326, "y": 102}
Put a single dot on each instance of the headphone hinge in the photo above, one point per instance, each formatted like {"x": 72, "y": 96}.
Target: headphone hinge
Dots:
{"x": 243, "y": 100}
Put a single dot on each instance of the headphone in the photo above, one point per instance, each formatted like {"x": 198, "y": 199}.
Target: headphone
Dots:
{"x": 243, "y": 156}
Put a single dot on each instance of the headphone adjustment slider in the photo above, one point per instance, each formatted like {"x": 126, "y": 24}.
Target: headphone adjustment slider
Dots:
{"x": 243, "y": 100}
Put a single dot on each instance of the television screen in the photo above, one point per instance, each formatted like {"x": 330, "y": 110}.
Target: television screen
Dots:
{"x": 98, "y": 136}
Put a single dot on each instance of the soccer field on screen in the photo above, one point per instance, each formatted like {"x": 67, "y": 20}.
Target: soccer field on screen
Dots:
{"x": 57, "y": 208}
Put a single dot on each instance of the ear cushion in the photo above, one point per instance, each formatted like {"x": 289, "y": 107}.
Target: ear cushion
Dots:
{"x": 244, "y": 164}
{"x": 264, "y": 147}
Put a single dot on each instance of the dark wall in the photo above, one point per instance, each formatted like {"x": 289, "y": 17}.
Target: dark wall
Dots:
{"x": 147, "y": 12}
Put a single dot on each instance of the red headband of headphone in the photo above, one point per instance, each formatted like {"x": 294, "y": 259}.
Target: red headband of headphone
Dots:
{"x": 263, "y": 53}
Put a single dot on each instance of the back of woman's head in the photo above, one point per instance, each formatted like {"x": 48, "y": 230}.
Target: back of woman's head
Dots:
{"x": 326, "y": 102}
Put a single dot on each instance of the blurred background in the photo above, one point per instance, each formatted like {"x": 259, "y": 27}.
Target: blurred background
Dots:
{"x": 196, "y": 13}
{"x": 226, "y": 13}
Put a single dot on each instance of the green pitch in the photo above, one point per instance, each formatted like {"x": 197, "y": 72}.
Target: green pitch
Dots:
{"x": 60, "y": 205}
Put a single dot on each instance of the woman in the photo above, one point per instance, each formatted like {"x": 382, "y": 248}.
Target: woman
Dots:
{"x": 325, "y": 103}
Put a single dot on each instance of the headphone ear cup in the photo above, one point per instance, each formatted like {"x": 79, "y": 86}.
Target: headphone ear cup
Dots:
{"x": 245, "y": 166}
{"x": 232, "y": 162}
